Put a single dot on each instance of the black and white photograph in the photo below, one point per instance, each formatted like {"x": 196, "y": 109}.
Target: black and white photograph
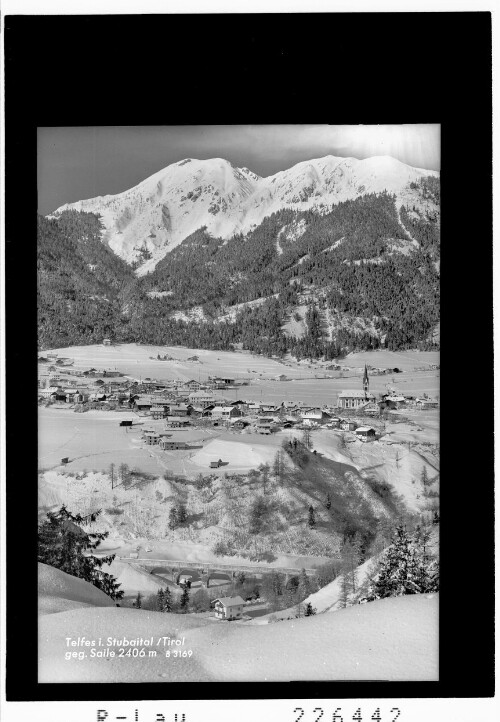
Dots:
{"x": 238, "y": 403}
{"x": 247, "y": 320}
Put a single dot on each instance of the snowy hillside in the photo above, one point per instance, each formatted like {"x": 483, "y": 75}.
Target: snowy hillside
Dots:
{"x": 144, "y": 223}
{"x": 390, "y": 639}
{"x": 59, "y": 592}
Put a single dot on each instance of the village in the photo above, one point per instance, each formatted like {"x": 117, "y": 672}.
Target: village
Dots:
{"x": 186, "y": 404}
{"x": 141, "y": 446}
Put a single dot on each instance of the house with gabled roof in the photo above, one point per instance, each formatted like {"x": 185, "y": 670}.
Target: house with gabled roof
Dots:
{"x": 225, "y": 412}
{"x": 201, "y": 398}
{"x": 229, "y": 607}
{"x": 316, "y": 415}
{"x": 366, "y": 433}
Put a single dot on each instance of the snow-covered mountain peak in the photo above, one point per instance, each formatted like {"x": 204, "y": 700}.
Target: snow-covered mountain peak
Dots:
{"x": 147, "y": 221}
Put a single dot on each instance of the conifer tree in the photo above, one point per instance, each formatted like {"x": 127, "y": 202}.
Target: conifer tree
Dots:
{"x": 164, "y": 600}
{"x": 181, "y": 514}
{"x": 311, "y": 520}
{"x": 159, "y": 600}
{"x": 345, "y": 591}
{"x": 173, "y": 518}
{"x": 185, "y": 599}
{"x": 310, "y": 610}
{"x": 167, "y": 600}
{"x": 124, "y": 474}
{"x": 63, "y": 544}
{"x": 138, "y": 601}
{"x": 406, "y": 568}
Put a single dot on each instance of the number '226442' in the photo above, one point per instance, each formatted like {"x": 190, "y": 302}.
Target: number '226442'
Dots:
{"x": 336, "y": 716}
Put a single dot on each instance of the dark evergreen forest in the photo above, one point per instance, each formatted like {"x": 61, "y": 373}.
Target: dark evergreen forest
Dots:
{"x": 356, "y": 261}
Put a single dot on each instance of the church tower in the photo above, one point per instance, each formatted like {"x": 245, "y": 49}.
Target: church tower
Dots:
{"x": 366, "y": 382}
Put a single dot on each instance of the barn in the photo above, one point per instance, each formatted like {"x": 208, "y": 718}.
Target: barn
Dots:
{"x": 366, "y": 433}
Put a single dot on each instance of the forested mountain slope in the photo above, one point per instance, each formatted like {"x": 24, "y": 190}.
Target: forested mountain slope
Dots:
{"x": 369, "y": 265}
{"x": 144, "y": 223}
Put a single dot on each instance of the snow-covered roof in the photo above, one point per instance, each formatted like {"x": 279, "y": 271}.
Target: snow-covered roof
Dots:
{"x": 230, "y": 601}
{"x": 355, "y": 393}
{"x": 364, "y": 429}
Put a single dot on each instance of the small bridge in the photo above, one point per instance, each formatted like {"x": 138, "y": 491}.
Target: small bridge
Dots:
{"x": 206, "y": 569}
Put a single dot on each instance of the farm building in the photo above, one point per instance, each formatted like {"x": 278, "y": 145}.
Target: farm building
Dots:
{"x": 365, "y": 433}
{"x": 229, "y": 607}
{"x": 106, "y": 342}
{"x": 178, "y": 422}
{"x": 239, "y": 424}
{"x": 394, "y": 402}
{"x": 265, "y": 426}
{"x": 151, "y": 437}
{"x": 216, "y": 464}
{"x": 220, "y": 383}
{"x": 172, "y": 445}
{"x": 347, "y": 425}
{"x": 317, "y": 415}
{"x": 159, "y": 411}
{"x": 335, "y": 422}
{"x": 354, "y": 399}
{"x": 281, "y": 377}
{"x": 143, "y": 403}
{"x": 180, "y": 410}
{"x": 193, "y": 385}
{"x": 269, "y": 409}
{"x": 50, "y": 391}
{"x": 426, "y": 404}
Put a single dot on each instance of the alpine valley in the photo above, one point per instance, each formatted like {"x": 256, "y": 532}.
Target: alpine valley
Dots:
{"x": 330, "y": 256}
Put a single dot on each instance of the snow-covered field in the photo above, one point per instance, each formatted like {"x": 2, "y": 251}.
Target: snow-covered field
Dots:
{"x": 241, "y": 455}
{"x": 391, "y": 639}
{"x": 92, "y": 440}
{"x": 135, "y": 361}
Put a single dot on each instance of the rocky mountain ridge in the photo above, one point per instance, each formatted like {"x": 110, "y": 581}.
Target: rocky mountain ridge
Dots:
{"x": 144, "y": 223}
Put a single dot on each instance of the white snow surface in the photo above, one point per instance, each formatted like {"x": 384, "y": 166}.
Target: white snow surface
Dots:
{"x": 390, "y": 639}
{"x": 59, "y": 592}
{"x": 161, "y": 211}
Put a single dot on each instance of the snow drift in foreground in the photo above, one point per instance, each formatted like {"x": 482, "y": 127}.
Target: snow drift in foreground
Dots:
{"x": 391, "y": 639}
{"x": 58, "y": 592}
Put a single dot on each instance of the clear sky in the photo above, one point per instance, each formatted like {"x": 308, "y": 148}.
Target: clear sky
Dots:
{"x": 79, "y": 163}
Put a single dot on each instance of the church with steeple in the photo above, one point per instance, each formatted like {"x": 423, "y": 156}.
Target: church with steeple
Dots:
{"x": 366, "y": 382}
{"x": 355, "y": 399}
